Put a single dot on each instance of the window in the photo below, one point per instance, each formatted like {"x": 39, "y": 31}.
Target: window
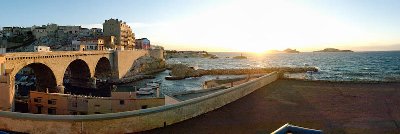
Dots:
{"x": 51, "y": 110}
{"x": 39, "y": 109}
{"x": 97, "y": 113}
{"x": 144, "y": 107}
{"x": 74, "y": 104}
{"x": 121, "y": 102}
{"x": 97, "y": 105}
{"x": 37, "y": 100}
{"x": 52, "y": 101}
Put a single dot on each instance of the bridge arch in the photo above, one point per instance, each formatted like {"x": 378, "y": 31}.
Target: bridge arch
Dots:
{"x": 77, "y": 73}
{"x": 32, "y": 77}
{"x": 44, "y": 75}
{"x": 103, "y": 69}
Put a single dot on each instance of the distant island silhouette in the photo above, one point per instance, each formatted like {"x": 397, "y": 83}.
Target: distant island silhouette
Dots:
{"x": 333, "y": 50}
{"x": 288, "y": 50}
{"x": 240, "y": 57}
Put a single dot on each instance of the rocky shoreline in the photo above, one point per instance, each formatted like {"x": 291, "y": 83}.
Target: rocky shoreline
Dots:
{"x": 180, "y": 71}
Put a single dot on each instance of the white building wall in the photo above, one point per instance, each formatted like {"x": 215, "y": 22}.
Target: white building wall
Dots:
{"x": 41, "y": 49}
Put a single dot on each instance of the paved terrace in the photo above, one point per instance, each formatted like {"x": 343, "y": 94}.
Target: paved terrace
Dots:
{"x": 332, "y": 107}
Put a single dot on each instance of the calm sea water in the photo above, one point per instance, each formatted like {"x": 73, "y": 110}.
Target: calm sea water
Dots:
{"x": 356, "y": 66}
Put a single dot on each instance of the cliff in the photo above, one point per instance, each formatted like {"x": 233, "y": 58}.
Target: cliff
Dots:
{"x": 143, "y": 68}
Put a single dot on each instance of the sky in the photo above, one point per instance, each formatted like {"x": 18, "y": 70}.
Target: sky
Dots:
{"x": 228, "y": 25}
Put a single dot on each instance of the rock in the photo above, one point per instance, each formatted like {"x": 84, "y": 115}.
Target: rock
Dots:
{"x": 147, "y": 65}
{"x": 183, "y": 71}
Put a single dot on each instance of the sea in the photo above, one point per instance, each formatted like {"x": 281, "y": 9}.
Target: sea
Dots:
{"x": 333, "y": 66}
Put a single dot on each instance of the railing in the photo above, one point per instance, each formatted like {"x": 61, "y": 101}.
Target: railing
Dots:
{"x": 58, "y": 54}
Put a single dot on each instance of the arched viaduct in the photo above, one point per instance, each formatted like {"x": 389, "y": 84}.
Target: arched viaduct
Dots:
{"x": 50, "y": 68}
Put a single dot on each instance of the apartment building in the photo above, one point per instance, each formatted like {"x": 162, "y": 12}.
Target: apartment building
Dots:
{"x": 142, "y": 43}
{"x": 121, "y": 31}
{"x": 66, "y": 104}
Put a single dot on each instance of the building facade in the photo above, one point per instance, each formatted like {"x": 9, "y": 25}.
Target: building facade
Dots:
{"x": 121, "y": 31}
{"x": 66, "y": 104}
{"x": 39, "y": 32}
{"x": 41, "y": 49}
{"x": 84, "y": 32}
{"x": 88, "y": 44}
{"x": 2, "y": 62}
{"x": 96, "y": 32}
{"x": 8, "y": 31}
{"x": 142, "y": 43}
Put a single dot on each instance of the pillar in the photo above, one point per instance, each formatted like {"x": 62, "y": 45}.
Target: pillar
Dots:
{"x": 60, "y": 89}
{"x": 93, "y": 82}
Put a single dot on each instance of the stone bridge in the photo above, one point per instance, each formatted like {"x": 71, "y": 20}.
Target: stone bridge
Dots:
{"x": 51, "y": 67}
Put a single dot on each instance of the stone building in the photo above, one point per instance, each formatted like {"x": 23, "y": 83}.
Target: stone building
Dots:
{"x": 52, "y": 28}
{"x": 84, "y": 32}
{"x": 41, "y": 49}
{"x": 87, "y": 44}
{"x": 69, "y": 29}
{"x": 39, "y": 32}
{"x": 142, "y": 43}
{"x": 17, "y": 31}
{"x": 2, "y": 62}
{"x": 109, "y": 42}
{"x": 122, "y": 32}
{"x": 12, "y": 31}
{"x": 7, "y": 31}
{"x": 96, "y": 32}
{"x": 66, "y": 104}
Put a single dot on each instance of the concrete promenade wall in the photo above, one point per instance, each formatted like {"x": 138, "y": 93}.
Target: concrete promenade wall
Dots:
{"x": 132, "y": 121}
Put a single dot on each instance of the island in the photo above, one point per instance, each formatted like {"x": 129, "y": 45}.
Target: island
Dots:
{"x": 288, "y": 50}
{"x": 333, "y": 50}
{"x": 188, "y": 54}
{"x": 240, "y": 57}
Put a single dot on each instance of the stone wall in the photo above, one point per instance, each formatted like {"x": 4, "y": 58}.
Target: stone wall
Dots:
{"x": 5, "y": 93}
{"x": 157, "y": 53}
{"x": 124, "y": 61}
{"x": 132, "y": 121}
{"x": 170, "y": 100}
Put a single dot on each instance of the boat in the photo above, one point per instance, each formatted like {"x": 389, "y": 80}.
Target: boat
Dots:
{"x": 144, "y": 92}
{"x": 146, "y": 89}
{"x": 157, "y": 81}
{"x": 153, "y": 85}
{"x": 174, "y": 78}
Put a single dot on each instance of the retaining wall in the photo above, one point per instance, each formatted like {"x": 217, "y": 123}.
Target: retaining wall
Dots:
{"x": 125, "y": 59}
{"x": 132, "y": 121}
